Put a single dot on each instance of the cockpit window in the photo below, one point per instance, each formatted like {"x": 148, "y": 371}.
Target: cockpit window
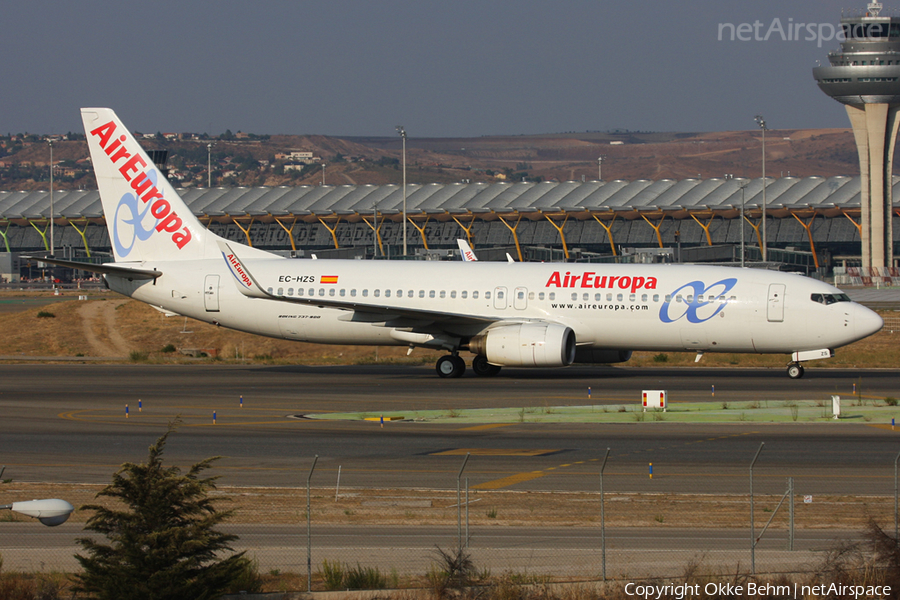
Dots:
{"x": 829, "y": 298}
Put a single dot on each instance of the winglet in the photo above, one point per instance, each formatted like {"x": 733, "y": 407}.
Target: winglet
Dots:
{"x": 242, "y": 277}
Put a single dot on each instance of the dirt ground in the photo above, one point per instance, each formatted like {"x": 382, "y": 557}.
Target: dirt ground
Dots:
{"x": 108, "y": 326}
{"x": 257, "y": 505}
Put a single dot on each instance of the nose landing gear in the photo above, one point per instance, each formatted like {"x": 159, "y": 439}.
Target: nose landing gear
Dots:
{"x": 795, "y": 370}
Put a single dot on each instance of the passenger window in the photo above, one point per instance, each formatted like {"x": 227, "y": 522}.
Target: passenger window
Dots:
{"x": 678, "y": 298}
{"x": 619, "y": 297}
{"x": 353, "y": 293}
{"x": 585, "y": 297}
{"x": 399, "y": 293}
{"x": 643, "y": 297}
{"x": 553, "y": 295}
{"x": 443, "y": 294}
{"x": 421, "y": 293}
{"x": 321, "y": 291}
{"x": 299, "y": 291}
{"x": 690, "y": 299}
{"x": 453, "y": 294}
{"x": 281, "y": 291}
{"x": 609, "y": 297}
{"x": 290, "y": 291}
{"x": 487, "y": 295}
{"x": 574, "y": 295}
{"x": 376, "y": 293}
{"x": 431, "y": 294}
{"x": 312, "y": 292}
{"x": 331, "y": 292}
{"x": 668, "y": 297}
{"x": 632, "y": 297}
{"x": 463, "y": 294}
{"x": 365, "y": 293}
{"x": 521, "y": 295}
{"x": 656, "y": 297}
{"x": 269, "y": 290}
{"x": 500, "y": 295}
{"x": 410, "y": 294}
{"x": 531, "y": 295}
{"x": 474, "y": 295}
{"x": 541, "y": 296}
{"x": 343, "y": 292}
{"x": 387, "y": 293}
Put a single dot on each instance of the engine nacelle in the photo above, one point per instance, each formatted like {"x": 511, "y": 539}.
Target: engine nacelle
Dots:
{"x": 527, "y": 345}
{"x": 600, "y": 356}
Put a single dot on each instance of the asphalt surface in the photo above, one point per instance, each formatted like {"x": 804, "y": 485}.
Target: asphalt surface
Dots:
{"x": 67, "y": 423}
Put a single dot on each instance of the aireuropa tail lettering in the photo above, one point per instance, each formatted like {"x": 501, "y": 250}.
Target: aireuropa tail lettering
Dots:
{"x": 139, "y": 175}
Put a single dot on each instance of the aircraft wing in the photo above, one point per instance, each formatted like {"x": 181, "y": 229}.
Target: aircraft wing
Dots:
{"x": 107, "y": 269}
{"x": 391, "y": 316}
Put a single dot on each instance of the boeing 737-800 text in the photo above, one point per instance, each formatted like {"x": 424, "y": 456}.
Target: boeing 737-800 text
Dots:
{"x": 506, "y": 314}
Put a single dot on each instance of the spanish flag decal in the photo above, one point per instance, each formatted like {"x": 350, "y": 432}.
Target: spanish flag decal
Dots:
{"x": 328, "y": 279}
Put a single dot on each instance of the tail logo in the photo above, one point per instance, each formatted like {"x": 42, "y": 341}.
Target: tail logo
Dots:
{"x": 132, "y": 222}
{"x": 142, "y": 179}
{"x": 234, "y": 265}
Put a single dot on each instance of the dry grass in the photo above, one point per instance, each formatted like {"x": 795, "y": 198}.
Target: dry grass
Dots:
{"x": 497, "y": 508}
{"x": 147, "y": 331}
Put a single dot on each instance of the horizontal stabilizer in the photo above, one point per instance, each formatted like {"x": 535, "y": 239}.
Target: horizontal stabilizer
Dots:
{"x": 132, "y": 273}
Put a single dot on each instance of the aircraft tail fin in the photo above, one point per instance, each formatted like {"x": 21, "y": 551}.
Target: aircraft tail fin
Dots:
{"x": 467, "y": 254}
{"x": 145, "y": 216}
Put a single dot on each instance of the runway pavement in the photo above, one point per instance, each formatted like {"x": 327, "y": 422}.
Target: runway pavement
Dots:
{"x": 67, "y": 423}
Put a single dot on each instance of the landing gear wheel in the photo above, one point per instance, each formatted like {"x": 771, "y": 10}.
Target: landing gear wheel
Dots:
{"x": 483, "y": 368}
{"x": 795, "y": 371}
{"x": 450, "y": 366}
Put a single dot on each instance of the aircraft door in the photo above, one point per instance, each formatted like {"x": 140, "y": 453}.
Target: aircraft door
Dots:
{"x": 520, "y": 300}
{"x": 775, "y": 303}
{"x": 211, "y": 293}
{"x": 500, "y": 298}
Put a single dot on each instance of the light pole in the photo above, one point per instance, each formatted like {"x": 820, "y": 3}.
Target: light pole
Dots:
{"x": 51, "y": 198}
{"x": 762, "y": 125}
{"x": 742, "y": 183}
{"x": 402, "y": 133}
{"x": 209, "y": 165}
{"x": 49, "y": 512}
{"x": 599, "y": 168}
{"x": 323, "y": 173}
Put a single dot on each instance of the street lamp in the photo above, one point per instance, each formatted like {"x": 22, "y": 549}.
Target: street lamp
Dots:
{"x": 51, "y": 197}
{"x": 49, "y": 512}
{"x": 323, "y": 173}
{"x": 402, "y": 133}
{"x": 209, "y": 165}
{"x": 762, "y": 125}
{"x": 743, "y": 184}
{"x": 599, "y": 168}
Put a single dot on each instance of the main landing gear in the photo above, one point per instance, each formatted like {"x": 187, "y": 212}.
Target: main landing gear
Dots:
{"x": 795, "y": 370}
{"x": 452, "y": 366}
{"x": 483, "y": 368}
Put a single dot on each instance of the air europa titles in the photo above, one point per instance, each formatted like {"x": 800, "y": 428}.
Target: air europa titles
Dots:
{"x": 238, "y": 270}
{"x": 592, "y": 280}
{"x": 133, "y": 170}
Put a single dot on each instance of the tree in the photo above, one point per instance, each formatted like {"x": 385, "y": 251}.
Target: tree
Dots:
{"x": 162, "y": 538}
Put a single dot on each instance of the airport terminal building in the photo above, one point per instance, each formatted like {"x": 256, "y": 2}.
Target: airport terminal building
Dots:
{"x": 812, "y": 225}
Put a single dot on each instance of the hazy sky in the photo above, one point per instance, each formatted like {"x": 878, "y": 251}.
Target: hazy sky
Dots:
{"x": 450, "y": 68}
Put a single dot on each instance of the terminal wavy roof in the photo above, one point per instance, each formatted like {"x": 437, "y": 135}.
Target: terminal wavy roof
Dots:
{"x": 629, "y": 199}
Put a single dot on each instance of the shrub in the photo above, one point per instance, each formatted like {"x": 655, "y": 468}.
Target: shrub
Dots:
{"x": 168, "y": 348}
{"x": 661, "y": 358}
{"x": 46, "y": 315}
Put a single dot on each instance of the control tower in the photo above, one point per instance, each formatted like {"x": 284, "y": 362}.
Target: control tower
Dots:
{"x": 864, "y": 75}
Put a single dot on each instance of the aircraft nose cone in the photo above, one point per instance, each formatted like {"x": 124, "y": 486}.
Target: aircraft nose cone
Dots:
{"x": 866, "y": 322}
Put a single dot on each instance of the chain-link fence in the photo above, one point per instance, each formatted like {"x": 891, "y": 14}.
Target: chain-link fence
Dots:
{"x": 547, "y": 522}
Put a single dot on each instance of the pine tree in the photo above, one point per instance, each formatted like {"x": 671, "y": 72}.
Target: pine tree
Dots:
{"x": 162, "y": 539}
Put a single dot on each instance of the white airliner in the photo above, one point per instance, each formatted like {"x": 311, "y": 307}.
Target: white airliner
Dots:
{"x": 515, "y": 315}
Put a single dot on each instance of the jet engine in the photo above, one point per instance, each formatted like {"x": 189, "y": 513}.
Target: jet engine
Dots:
{"x": 526, "y": 345}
